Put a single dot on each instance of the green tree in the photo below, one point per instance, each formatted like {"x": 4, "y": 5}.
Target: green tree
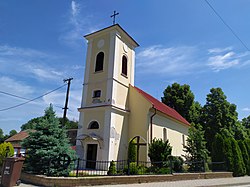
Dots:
{"x": 233, "y": 157}
{"x": 46, "y": 146}
{"x": 12, "y": 132}
{"x": 196, "y": 151}
{"x": 159, "y": 151}
{"x": 218, "y": 153}
{"x": 6, "y": 149}
{"x": 217, "y": 114}
{"x": 247, "y": 144}
{"x": 181, "y": 98}
{"x": 239, "y": 131}
{"x": 245, "y": 155}
{"x": 69, "y": 124}
{"x": 31, "y": 124}
{"x": 1, "y": 136}
{"x": 238, "y": 163}
{"x": 246, "y": 122}
{"x": 195, "y": 113}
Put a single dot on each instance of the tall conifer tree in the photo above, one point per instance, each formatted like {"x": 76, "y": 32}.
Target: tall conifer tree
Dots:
{"x": 46, "y": 146}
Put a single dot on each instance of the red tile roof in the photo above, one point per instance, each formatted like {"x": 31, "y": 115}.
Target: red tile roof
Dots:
{"x": 162, "y": 107}
{"x": 18, "y": 137}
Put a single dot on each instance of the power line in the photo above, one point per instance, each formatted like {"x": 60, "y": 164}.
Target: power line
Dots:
{"x": 13, "y": 95}
{"x": 20, "y": 97}
{"x": 28, "y": 101}
{"x": 224, "y": 22}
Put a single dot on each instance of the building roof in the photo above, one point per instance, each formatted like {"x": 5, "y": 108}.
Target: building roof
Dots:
{"x": 162, "y": 107}
{"x": 18, "y": 137}
{"x": 117, "y": 26}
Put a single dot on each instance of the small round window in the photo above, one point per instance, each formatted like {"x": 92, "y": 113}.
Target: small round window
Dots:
{"x": 94, "y": 125}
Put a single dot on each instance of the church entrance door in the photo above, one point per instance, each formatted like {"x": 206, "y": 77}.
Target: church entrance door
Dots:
{"x": 91, "y": 156}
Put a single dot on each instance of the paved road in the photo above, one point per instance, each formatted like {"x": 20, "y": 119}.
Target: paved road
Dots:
{"x": 223, "y": 182}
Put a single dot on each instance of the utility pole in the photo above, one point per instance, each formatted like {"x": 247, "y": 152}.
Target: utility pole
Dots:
{"x": 66, "y": 101}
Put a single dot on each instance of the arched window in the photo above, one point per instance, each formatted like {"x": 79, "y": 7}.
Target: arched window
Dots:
{"x": 124, "y": 65}
{"x": 94, "y": 125}
{"x": 99, "y": 62}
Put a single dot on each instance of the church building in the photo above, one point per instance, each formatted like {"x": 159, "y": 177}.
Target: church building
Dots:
{"x": 113, "y": 110}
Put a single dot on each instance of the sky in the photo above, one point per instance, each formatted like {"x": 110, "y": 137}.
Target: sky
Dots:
{"x": 42, "y": 43}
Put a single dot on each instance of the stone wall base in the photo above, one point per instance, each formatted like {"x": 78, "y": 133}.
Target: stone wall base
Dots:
{"x": 42, "y": 180}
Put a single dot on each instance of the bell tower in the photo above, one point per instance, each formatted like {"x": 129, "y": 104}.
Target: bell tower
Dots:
{"x": 104, "y": 111}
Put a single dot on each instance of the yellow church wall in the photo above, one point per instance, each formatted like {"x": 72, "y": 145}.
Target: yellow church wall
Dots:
{"x": 138, "y": 118}
{"x": 129, "y": 54}
{"x": 96, "y": 86}
{"x": 174, "y": 132}
{"x": 93, "y": 115}
{"x": 120, "y": 95}
{"x": 119, "y": 131}
{"x": 101, "y": 75}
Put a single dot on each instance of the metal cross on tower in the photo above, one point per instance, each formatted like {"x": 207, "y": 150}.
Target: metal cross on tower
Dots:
{"x": 115, "y": 14}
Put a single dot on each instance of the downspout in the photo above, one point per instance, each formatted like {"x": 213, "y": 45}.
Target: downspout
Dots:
{"x": 151, "y": 124}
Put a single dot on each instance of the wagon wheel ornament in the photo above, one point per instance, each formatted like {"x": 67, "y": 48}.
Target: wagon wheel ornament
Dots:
{"x": 63, "y": 161}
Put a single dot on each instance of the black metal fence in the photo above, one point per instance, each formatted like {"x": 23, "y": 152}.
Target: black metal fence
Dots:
{"x": 80, "y": 168}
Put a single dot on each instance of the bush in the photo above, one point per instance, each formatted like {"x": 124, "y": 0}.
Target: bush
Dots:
{"x": 245, "y": 156}
{"x": 233, "y": 156}
{"x": 132, "y": 151}
{"x": 238, "y": 165}
{"x": 218, "y": 153}
{"x": 135, "y": 170}
{"x": 228, "y": 154}
{"x": 159, "y": 151}
{"x": 112, "y": 168}
{"x": 196, "y": 151}
{"x": 247, "y": 144}
{"x": 3, "y": 151}
{"x": 162, "y": 170}
{"x": 177, "y": 163}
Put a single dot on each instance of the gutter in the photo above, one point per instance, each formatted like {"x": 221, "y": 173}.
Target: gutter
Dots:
{"x": 151, "y": 124}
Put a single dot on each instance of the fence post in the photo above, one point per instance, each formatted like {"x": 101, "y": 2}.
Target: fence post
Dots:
{"x": 49, "y": 167}
{"x": 77, "y": 167}
{"x": 128, "y": 172}
{"x": 171, "y": 166}
{"x": 204, "y": 165}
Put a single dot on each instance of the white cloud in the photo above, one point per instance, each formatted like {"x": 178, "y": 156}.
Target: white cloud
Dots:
{"x": 75, "y": 8}
{"x": 219, "y": 50}
{"x": 246, "y": 109}
{"x": 8, "y": 51}
{"x": 10, "y": 85}
{"x": 30, "y": 63}
{"x": 76, "y": 26}
{"x": 225, "y": 58}
{"x": 182, "y": 60}
{"x": 167, "y": 60}
{"x": 44, "y": 73}
{"x": 221, "y": 62}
